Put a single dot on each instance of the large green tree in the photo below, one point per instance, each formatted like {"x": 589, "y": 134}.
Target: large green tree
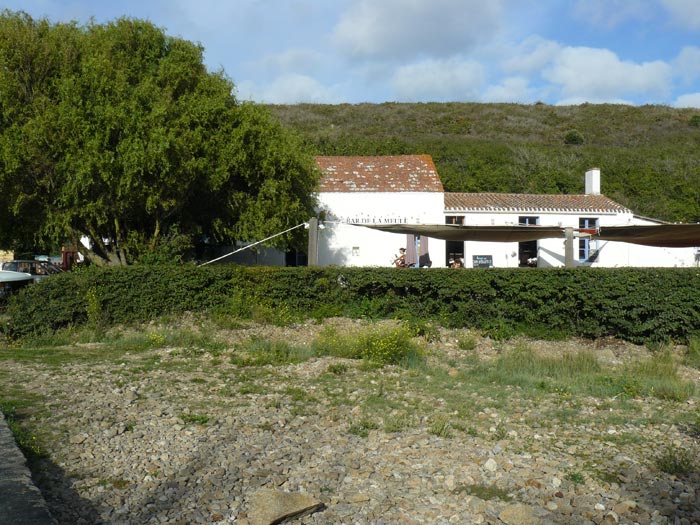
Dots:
{"x": 119, "y": 133}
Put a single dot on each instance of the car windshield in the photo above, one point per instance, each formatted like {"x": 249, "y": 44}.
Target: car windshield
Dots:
{"x": 31, "y": 267}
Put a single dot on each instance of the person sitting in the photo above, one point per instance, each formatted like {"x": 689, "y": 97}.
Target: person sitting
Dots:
{"x": 400, "y": 261}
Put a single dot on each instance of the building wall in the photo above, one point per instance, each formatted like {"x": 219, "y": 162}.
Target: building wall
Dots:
{"x": 343, "y": 244}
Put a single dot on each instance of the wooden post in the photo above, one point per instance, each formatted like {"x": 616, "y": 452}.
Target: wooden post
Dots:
{"x": 569, "y": 248}
{"x": 313, "y": 242}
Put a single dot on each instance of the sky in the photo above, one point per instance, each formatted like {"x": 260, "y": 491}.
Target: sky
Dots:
{"x": 563, "y": 52}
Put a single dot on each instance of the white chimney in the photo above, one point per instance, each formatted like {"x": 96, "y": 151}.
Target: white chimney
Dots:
{"x": 593, "y": 181}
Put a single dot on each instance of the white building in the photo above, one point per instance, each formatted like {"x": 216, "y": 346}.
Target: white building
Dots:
{"x": 402, "y": 189}
{"x": 407, "y": 190}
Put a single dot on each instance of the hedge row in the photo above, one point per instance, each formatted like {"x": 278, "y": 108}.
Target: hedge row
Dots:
{"x": 632, "y": 304}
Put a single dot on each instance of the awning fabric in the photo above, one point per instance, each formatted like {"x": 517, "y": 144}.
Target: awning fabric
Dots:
{"x": 662, "y": 235}
{"x": 454, "y": 232}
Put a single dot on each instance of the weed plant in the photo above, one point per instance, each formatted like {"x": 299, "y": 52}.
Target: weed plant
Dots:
{"x": 441, "y": 427}
{"x": 467, "y": 343}
{"x": 389, "y": 347}
{"x": 676, "y": 460}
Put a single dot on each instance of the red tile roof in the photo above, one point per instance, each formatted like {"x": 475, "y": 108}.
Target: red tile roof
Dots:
{"x": 504, "y": 202}
{"x": 386, "y": 173}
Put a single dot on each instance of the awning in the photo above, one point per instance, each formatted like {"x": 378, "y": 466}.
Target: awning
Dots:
{"x": 454, "y": 232}
{"x": 661, "y": 235}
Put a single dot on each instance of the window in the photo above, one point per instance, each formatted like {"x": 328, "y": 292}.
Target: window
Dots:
{"x": 454, "y": 219}
{"x": 587, "y": 249}
{"x": 528, "y": 221}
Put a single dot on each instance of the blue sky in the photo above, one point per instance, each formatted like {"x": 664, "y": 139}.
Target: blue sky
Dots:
{"x": 351, "y": 51}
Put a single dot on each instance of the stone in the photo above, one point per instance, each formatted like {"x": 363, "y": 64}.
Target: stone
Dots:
{"x": 269, "y": 506}
{"x": 358, "y": 497}
{"x": 518, "y": 514}
{"x": 491, "y": 465}
{"x": 77, "y": 439}
{"x": 624, "y": 507}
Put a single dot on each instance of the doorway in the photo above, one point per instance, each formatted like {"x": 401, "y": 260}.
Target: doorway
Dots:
{"x": 527, "y": 250}
{"x": 454, "y": 250}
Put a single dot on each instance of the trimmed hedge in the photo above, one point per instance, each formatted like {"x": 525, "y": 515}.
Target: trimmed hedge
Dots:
{"x": 632, "y": 304}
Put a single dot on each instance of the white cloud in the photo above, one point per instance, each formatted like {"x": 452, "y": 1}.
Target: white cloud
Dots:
{"x": 687, "y": 64}
{"x": 291, "y": 60}
{"x": 684, "y": 13}
{"x": 531, "y": 56}
{"x": 290, "y": 89}
{"x": 415, "y": 28}
{"x": 577, "y": 101}
{"x": 598, "y": 75}
{"x": 439, "y": 80}
{"x": 609, "y": 14}
{"x": 513, "y": 89}
{"x": 690, "y": 100}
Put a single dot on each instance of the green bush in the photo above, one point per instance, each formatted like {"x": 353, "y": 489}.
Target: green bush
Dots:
{"x": 501, "y": 302}
{"x": 574, "y": 138}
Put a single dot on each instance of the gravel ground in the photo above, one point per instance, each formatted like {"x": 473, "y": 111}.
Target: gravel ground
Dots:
{"x": 180, "y": 435}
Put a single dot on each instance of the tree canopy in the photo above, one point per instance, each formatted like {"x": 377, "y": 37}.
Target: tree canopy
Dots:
{"x": 119, "y": 133}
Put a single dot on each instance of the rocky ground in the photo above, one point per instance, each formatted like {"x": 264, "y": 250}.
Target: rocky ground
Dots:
{"x": 179, "y": 435}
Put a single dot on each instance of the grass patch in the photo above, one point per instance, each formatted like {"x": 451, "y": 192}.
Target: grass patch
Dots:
{"x": 482, "y": 491}
{"x": 331, "y": 343}
{"x": 580, "y": 374}
{"x": 362, "y": 427}
{"x": 397, "y": 423}
{"x": 692, "y": 353}
{"x": 26, "y": 439}
{"x": 194, "y": 419}
{"x": 575, "y": 477}
{"x": 337, "y": 369}
{"x": 259, "y": 351}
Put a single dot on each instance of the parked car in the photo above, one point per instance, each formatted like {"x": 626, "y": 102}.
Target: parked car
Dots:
{"x": 12, "y": 281}
{"x": 37, "y": 269}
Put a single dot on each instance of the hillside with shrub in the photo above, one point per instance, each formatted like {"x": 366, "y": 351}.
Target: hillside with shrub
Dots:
{"x": 649, "y": 156}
